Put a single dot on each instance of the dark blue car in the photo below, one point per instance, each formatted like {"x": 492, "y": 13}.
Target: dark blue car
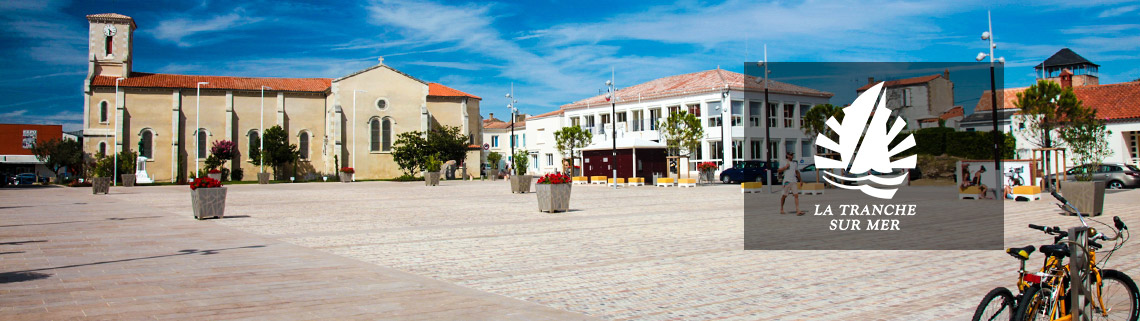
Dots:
{"x": 748, "y": 171}
{"x": 25, "y": 179}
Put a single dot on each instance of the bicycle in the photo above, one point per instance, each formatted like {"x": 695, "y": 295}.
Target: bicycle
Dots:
{"x": 1051, "y": 296}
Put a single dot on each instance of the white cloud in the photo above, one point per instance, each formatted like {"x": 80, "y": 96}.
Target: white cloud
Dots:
{"x": 1114, "y": 12}
{"x": 185, "y": 31}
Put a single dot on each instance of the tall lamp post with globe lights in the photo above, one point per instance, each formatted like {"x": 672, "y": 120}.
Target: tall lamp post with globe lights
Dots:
{"x": 198, "y": 127}
{"x": 511, "y": 101}
{"x": 611, "y": 95}
{"x": 998, "y": 139}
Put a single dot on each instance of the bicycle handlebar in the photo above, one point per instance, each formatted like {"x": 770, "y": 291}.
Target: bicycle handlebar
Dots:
{"x": 1058, "y": 196}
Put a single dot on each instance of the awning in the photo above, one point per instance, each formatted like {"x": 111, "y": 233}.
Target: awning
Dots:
{"x": 625, "y": 143}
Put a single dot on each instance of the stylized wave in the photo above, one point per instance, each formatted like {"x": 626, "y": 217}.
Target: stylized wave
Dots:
{"x": 883, "y": 193}
{"x": 881, "y": 180}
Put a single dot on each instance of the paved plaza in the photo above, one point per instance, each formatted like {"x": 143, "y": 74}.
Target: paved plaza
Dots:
{"x": 469, "y": 250}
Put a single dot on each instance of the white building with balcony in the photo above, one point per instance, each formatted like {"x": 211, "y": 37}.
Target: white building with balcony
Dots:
{"x": 729, "y": 105}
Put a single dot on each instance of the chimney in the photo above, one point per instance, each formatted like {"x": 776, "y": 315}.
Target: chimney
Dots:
{"x": 946, "y": 73}
{"x": 870, "y": 80}
{"x": 1066, "y": 79}
{"x": 491, "y": 116}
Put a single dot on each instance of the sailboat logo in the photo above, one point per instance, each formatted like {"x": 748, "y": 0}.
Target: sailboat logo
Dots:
{"x": 863, "y": 148}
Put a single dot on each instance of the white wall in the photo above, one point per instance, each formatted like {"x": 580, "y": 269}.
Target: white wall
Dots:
{"x": 540, "y": 142}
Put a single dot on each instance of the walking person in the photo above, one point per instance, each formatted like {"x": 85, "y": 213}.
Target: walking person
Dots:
{"x": 791, "y": 183}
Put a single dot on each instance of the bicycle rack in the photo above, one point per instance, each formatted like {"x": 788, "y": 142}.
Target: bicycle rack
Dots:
{"x": 1078, "y": 268}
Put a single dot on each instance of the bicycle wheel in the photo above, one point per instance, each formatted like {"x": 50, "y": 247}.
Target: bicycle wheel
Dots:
{"x": 997, "y": 305}
{"x": 1119, "y": 295}
{"x": 1032, "y": 305}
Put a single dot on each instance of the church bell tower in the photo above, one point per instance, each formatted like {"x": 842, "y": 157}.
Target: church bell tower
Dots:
{"x": 110, "y": 38}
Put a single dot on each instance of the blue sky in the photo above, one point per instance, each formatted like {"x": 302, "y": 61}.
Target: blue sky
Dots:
{"x": 555, "y": 52}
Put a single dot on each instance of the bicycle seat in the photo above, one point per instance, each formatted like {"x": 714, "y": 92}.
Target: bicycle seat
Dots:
{"x": 1021, "y": 253}
{"x": 1058, "y": 250}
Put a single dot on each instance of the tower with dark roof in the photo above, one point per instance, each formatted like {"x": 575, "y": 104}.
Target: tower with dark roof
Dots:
{"x": 1084, "y": 71}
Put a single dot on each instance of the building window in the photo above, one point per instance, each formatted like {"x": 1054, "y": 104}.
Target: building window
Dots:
{"x": 737, "y": 113}
{"x": 789, "y": 112}
{"x": 714, "y": 114}
{"x": 773, "y": 150}
{"x": 805, "y": 149}
{"x": 757, "y": 149}
{"x": 374, "y": 130}
{"x": 102, "y": 149}
{"x": 716, "y": 151}
{"x": 103, "y": 111}
{"x": 303, "y": 145}
{"x": 549, "y": 159}
{"x": 654, "y": 114}
{"x": 574, "y": 122}
{"x": 755, "y": 113}
{"x": 146, "y": 144}
{"x": 254, "y": 143}
{"x": 621, "y": 118}
{"x": 695, "y": 109}
{"x": 381, "y": 104}
{"x": 386, "y": 134}
{"x": 772, "y": 107}
{"x": 202, "y": 143}
{"x": 790, "y": 146}
{"x": 108, "y": 44}
{"x": 803, "y": 113}
{"x": 495, "y": 141}
{"x": 737, "y": 149}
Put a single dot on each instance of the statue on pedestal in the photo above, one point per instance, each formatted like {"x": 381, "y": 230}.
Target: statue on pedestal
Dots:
{"x": 140, "y": 172}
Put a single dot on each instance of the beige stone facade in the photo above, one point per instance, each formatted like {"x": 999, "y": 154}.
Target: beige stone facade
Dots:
{"x": 350, "y": 121}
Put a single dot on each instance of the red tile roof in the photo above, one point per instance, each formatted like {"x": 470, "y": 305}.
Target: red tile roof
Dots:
{"x": 149, "y": 80}
{"x": 1112, "y": 102}
{"x": 439, "y": 90}
{"x": 957, "y": 111}
{"x": 556, "y": 112}
{"x": 503, "y": 124}
{"x": 902, "y": 82}
{"x": 694, "y": 83}
{"x": 112, "y": 16}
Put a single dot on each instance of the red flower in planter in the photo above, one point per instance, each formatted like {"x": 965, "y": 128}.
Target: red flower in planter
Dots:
{"x": 204, "y": 182}
{"x": 554, "y": 178}
{"x": 347, "y": 170}
{"x": 215, "y": 171}
{"x": 706, "y": 166}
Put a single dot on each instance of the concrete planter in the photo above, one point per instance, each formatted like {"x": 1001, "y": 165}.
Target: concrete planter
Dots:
{"x": 127, "y": 179}
{"x": 520, "y": 184}
{"x": 553, "y": 197}
{"x": 345, "y": 177}
{"x": 263, "y": 178}
{"x": 1088, "y": 197}
{"x": 431, "y": 178}
{"x": 100, "y": 185}
{"x": 208, "y": 202}
{"x": 492, "y": 174}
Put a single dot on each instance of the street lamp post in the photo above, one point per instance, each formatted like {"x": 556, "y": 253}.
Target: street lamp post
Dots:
{"x": 511, "y": 106}
{"x": 261, "y": 132}
{"x": 989, "y": 35}
{"x": 611, "y": 95}
{"x": 115, "y": 172}
{"x": 354, "y": 129}
{"x": 767, "y": 126}
{"x": 197, "y": 126}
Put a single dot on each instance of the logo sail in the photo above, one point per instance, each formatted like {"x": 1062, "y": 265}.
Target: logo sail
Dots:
{"x": 863, "y": 146}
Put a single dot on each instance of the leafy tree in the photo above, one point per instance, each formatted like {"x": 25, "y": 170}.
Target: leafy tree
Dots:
{"x": 815, "y": 121}
{"x": 278, "y": 152}
{"x": 569, "y": 138}
{"x": 127, "y": 162}
{"x": 412, "y": 149}
{"x": 682, "y": 132}
{"x": 1089, "y": 141}
{"x": 1049, "y": 107}
{"x": 57, "y": 154}
{"x": 103, "y": 166}
{"x": 521, "y": 160}
{"x": 410, "y": 152}
{"x": 493, "y": 158}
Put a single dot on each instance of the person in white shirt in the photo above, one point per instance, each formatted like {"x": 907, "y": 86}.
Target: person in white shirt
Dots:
{"x": 791, "y": 182}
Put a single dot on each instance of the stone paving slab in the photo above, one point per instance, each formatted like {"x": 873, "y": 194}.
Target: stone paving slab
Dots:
{"x": 644, "y": 253}
{"x": 67, "y": 254}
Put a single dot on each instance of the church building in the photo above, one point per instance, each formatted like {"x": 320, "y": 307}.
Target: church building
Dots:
{"x": 173, "y": 120}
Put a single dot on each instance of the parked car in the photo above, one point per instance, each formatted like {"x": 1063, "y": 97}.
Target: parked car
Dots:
{"x": 25, "y": 179}
{"x": 1115, "y": 175}
{"x": 749, "y": 171}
